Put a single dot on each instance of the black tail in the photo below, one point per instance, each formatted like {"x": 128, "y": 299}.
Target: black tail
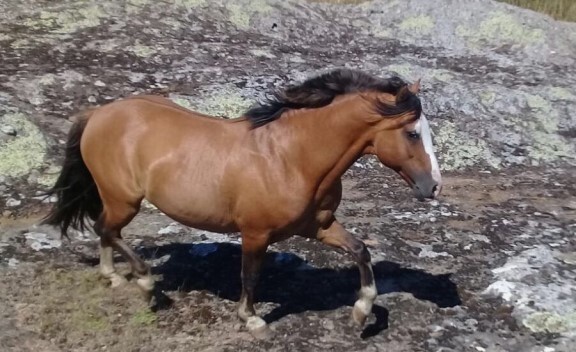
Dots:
{"x": 75, "y": 189}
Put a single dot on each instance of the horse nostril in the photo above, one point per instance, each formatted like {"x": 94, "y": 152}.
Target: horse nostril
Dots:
{"x": 435, "y": 190}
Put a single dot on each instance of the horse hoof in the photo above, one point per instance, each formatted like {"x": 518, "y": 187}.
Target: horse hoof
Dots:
{"x": 160, "y": 301}
{"x": 145, "y": 283}
{"x": 359, "y": 314}
{"x": 117, "y": 280}
{"x": 258, "y": 328}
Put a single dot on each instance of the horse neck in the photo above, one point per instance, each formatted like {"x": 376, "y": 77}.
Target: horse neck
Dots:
{"x": 326, "y": 141}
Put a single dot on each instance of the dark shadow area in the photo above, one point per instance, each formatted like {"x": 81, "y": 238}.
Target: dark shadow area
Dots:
{"x": 288, "y": 280}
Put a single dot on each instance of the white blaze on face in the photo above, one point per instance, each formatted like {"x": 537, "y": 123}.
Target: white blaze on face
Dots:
{"x": 423, "y": 128}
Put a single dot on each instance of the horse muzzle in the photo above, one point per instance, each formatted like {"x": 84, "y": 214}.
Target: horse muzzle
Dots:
{"x": 426, "y": 188}
{"x": 423, "y": 185}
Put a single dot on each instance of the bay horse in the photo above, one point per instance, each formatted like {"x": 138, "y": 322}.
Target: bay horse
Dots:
{"x": 273, "y": 173}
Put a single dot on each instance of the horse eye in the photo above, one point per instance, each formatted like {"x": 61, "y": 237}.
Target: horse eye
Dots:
{"x": 413, "y": 135}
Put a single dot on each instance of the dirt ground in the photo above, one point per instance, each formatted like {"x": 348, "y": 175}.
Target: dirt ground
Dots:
{"x": 433, "y": 263}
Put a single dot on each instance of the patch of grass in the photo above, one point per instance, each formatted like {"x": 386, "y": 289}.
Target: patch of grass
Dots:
{"x": 559, "y": 9}
{"x": 78, "y": 308}
{"x": 143, "y": 317}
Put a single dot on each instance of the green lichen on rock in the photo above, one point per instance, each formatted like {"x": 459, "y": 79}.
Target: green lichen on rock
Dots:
{"x": 501, "y": 27}
{"x": 142, "y": 50}
{"x": 49, "y": 176}
{"x": 21, "y": 43}
{"x": 189, "y": 3}
{"x": 548, "y": 322}
{"x": 138, "y": 2}
{"x": 458, "y": 150}
{"x": 227, "y": 102}
{"x": 404, "y": 70}
{"x": 560, "y": 93}
{"x": 412, "y": 72}
{"x": 380, "y": 32}
{"x": 418, "y": 25}
{"x": 548, "y": 146}
{"x": 26, "y": 151}
{"x": 441, "y": 75}
{"x": 487, "y": 97}
{"x": 240, "y": 14}
{"x": 69, "y": 20}
{"x": 542, "y": 128}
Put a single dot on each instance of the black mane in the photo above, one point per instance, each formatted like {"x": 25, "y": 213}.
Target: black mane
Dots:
{"x": 321, "y": 90}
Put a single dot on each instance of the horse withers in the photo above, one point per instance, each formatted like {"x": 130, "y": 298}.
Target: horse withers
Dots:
{"x": 273, "y": 173}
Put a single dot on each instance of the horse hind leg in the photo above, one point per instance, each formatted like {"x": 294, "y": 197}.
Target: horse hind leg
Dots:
{"x": 114, "y": 217}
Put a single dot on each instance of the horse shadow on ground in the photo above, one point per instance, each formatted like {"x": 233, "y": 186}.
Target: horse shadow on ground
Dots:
{"x": 289, "y": 281}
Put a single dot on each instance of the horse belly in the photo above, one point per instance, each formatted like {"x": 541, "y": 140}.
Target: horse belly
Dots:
{"x": 192, "y": 200}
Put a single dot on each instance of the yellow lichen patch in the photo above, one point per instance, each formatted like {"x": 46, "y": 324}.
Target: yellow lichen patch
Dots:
{"x": 460, "y": 150}
{"x": 69, "y": 20}
{"x": 240, "y": 14}
{"x": 419, "y": 25}
{"x": 26, "y": 151}
{"x": 501, "y": 27}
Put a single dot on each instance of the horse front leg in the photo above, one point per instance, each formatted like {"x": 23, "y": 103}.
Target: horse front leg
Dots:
{"x": 336, "y": 236}
{"x": 254, "y": 248}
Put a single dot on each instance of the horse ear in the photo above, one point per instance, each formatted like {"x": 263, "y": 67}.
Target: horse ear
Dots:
{"x": 415, "y": 87}
{"x": 403, "y": 94}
